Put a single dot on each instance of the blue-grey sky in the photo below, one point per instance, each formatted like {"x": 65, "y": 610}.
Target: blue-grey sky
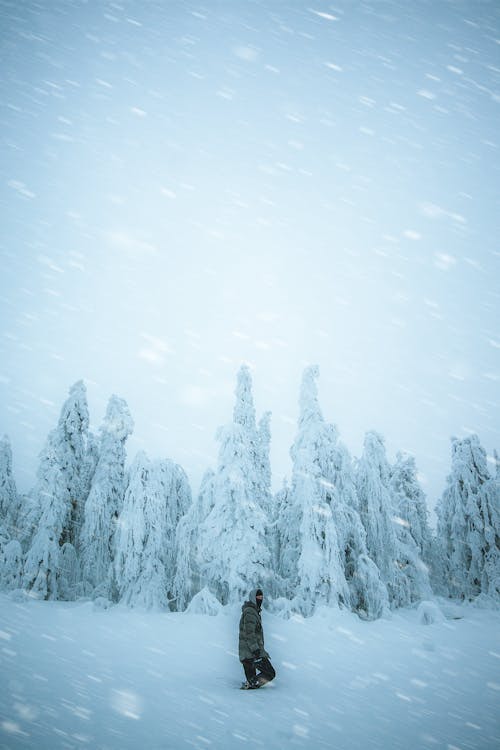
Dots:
{"x": 188, "y": 186}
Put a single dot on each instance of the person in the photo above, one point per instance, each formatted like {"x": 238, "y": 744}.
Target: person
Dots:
{"x": 252, "y": 653}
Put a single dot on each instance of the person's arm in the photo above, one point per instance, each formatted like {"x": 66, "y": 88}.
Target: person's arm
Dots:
{"x": 250, "y": 634}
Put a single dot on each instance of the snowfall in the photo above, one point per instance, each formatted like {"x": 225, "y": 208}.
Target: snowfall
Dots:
{"x": 76, "y": 676}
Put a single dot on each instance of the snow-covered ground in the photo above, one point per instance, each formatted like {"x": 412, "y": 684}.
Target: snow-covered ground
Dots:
{"x": 73, "y": 676}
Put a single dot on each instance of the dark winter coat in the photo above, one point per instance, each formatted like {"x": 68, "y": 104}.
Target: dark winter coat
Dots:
{"x": 251, "y": 634}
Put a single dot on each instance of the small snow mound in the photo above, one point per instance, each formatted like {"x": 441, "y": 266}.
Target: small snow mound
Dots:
{"x": 20, "y": 595}
{"x": 204, "y": 603}
{"x": 483, "y": 601}
{"x": 429, "y": 613}
{"x": 101, "y": 603}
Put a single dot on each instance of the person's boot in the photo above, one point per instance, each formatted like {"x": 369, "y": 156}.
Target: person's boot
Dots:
{"x": 252, "y": 684}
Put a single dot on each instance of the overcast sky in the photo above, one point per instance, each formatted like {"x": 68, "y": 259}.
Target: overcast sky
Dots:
{"x": 186, "y": 187}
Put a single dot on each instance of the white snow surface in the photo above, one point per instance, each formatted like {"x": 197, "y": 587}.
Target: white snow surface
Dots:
{"x": 74, "y": 675}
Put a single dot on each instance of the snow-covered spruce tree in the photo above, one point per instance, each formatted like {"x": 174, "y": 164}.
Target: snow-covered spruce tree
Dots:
{"x": 264, "y": 461}
{"x": 9, "y": 499}
{"x": 179, "y": 499}
{"x": 288, "y": 540}
{"x": 267, "y": 499}
{"x": 401, "y": 569}
{"x": 496, "y": 461}
{"x": 469, "y": 523}
{"x": 281, "y": 504}
{"x": 233, "y": 555}
{"x": 11, "y": 565}
{"x": 311, "y": 560}
{"x": 368, "y": 594}
{"x": 281, "y": 512}
{"x": 69, "y": 576}
{"x": 156, "y": 496}
{"x": 11, "y": 556}
{"x": 411, "y": 525}
{"x": 187, "y": 578}
{"x": 257, "y": 439}
{"x": 59, "y": 496}
{"x": 411, "y": 507}
{"x": 105, "y": 501}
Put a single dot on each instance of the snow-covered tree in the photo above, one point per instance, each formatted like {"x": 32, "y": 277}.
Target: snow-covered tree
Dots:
{"x": 9, "y": 499}
{"x": 258, "y": 438}
{"x": 410, "y": 504}
{"x": 11, "y": 565}
{"x": 280, "y": 511}
{"x": 264, "y": 461}
{"x": 368, "y": 594}
{"x": 369, "y": 598}
{"x": 244, "y": 409}
{"x": 397, "y": 559}
{"x": 469, "y": 523}
{"x": 288, "y": 540}
{"x": 266, "y": 498}
{"x": 233, "y": 552}
{"x": 76, "y": 456}
{"x": 105, "y": 500}
{"x": 57, "y": 501}
{"x": 177, "y": 490}
{"x": 496, "y": 461}
{"x": 322, "y": 554}
{"x": 412, "y": 525}
{"x": 156, "y": 496}
{"x": 187, "y": 579}
{"x": 69, "y": 575}
{"x": 310, "y": 560}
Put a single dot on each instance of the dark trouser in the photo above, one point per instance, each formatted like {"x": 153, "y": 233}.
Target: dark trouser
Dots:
{"x": 266, "y": 670}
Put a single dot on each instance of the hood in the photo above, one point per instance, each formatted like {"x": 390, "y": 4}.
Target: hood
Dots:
{"x": 252, "y": 599}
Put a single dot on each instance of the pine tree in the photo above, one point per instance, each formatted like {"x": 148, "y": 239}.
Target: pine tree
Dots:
{"x": 105, "y": 500}
{"x": 11, "y": 565}
{"x": 410, "y": 504}
{"x": 392, "y": 551}
{"x": 244, "y": 409}
{"x": 11, "y": 557}
{"x": 322, "y": 554}
{"x": 59, "y": 496}
{"x": 311, "y": 561}
{"x": 233, "y": 552}
{"x": 177, "y": 490}
{"x": 496, "y": 460}
{"x": 258, "y": 439}
{"x": 276, "y": 533}
{"x": 187, "y": 579}
{"x": 157, "y": 494}
{"x": 469, "y": 523}
{"x": 267, "y": 501}
{"x": 412, "y": 526}
{"x": 264, "y": 461}
{"x": 9, "y": 499}
{"x": 69, "y": 575}
{"x": 289, "y": 511}
{"x": 75, "y": 457}
{"x": 368, "y": 594}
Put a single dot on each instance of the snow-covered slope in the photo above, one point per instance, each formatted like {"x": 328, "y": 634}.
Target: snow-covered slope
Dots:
{"x": 74, "y": 676}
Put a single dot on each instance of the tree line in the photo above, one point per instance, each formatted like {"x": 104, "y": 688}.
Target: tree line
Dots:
{"x": 341, "y": 532}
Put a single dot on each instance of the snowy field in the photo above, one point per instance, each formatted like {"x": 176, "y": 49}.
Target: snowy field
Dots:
{"x": 74, "y": 676}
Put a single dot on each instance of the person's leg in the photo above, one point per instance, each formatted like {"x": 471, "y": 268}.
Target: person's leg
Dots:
{"x": 266, "y": 671}
{"x": 249, "y": 668}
